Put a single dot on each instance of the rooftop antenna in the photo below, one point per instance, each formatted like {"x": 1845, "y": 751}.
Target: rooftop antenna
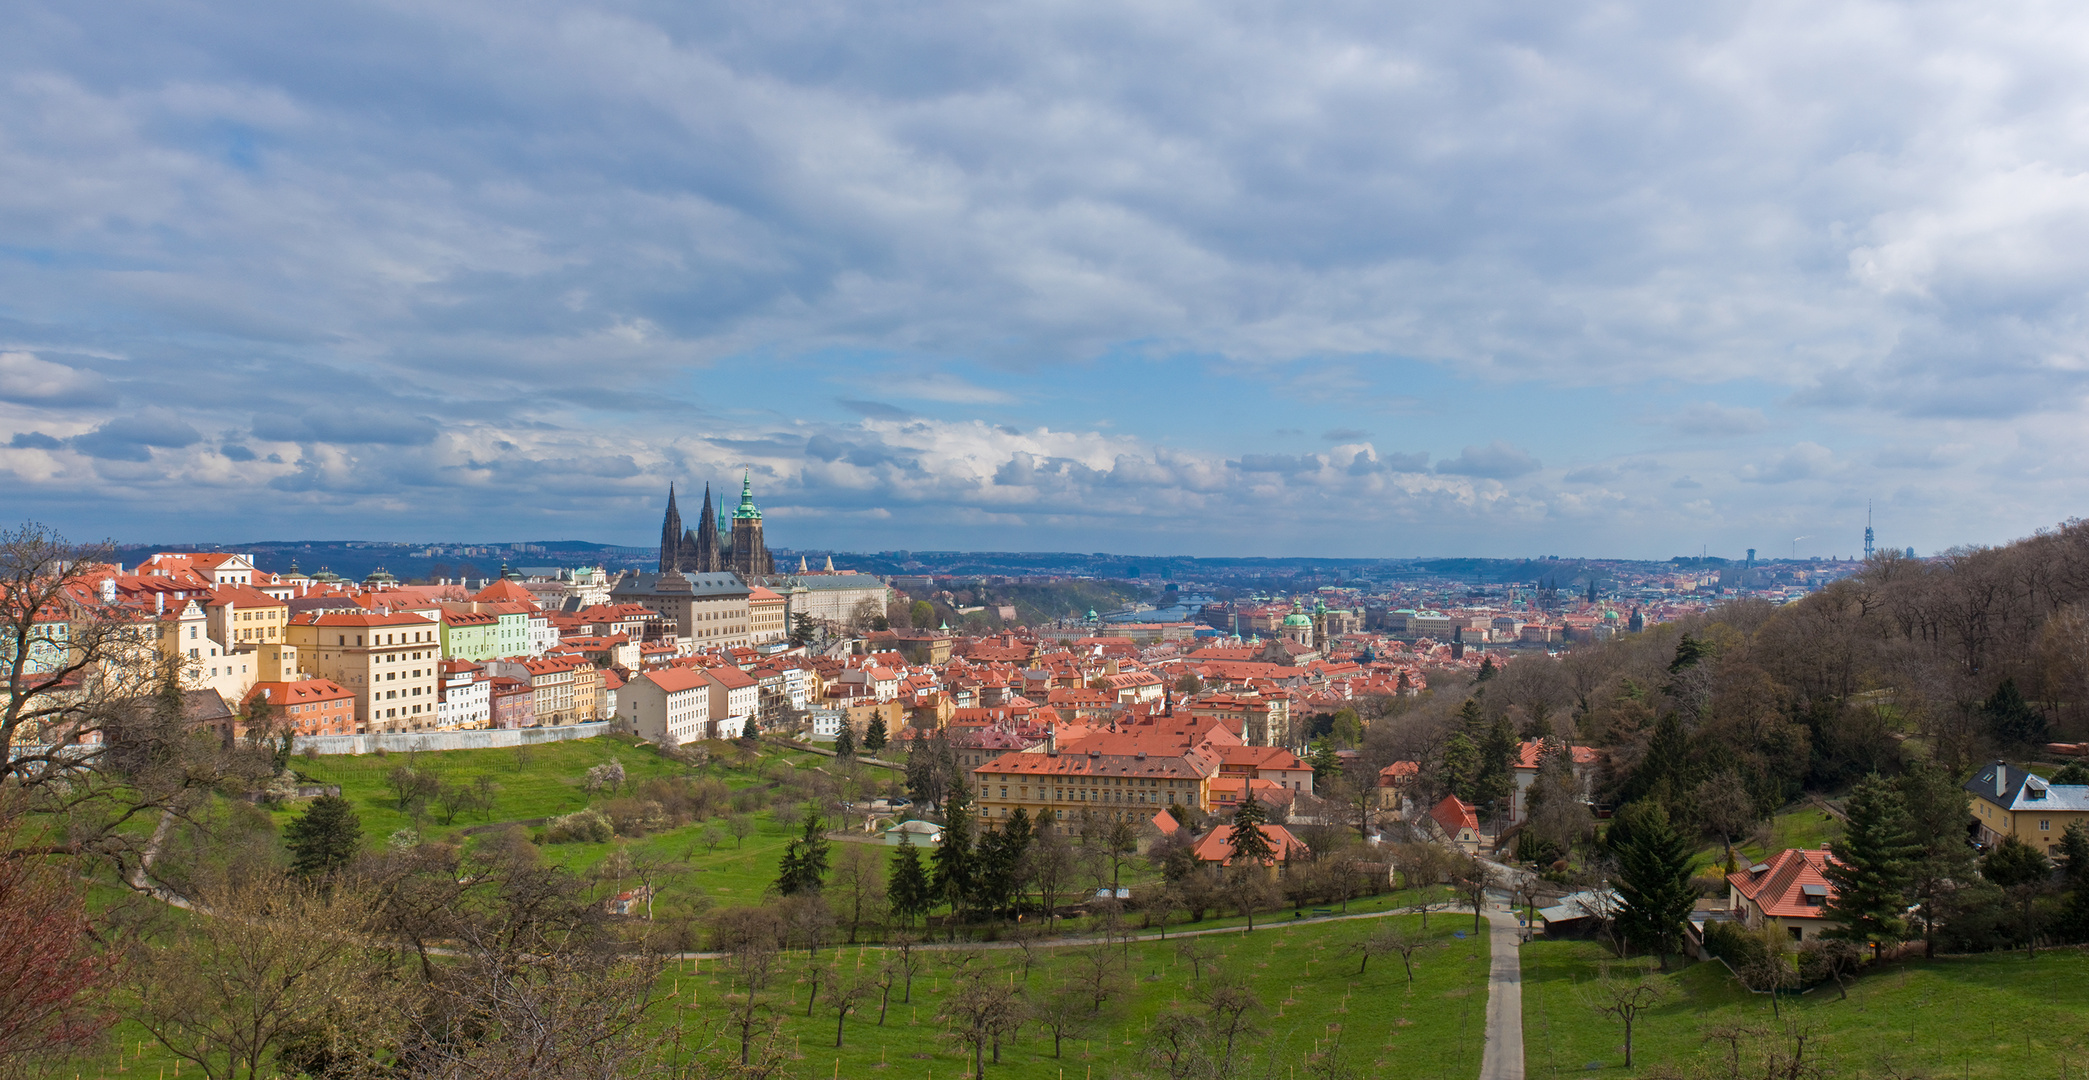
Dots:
{"x": 1867, "y": 530}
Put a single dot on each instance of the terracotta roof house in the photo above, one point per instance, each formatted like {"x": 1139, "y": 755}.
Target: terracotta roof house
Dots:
{"x": 1789, "y": 891}
{"x": 1216, "y": 846}
{"x": 1455, "y": 819}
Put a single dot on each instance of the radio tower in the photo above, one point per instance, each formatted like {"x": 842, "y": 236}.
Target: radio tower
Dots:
{"x": 1867, "y": 530}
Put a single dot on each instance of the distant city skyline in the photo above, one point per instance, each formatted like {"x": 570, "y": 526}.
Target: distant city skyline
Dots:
{"x": 1349, "y": 282}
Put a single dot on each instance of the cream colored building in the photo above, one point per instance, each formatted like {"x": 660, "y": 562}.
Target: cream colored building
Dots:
{"x": 389, "y": 661}
{"x": 768, "y": 620}
{"x": 709, "y": 610}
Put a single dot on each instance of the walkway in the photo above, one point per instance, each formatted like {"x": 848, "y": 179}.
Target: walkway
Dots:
{"x": 1503, "y": 1057}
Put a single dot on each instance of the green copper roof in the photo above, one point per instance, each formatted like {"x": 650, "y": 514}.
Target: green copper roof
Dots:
{"x": 747, "y": 511}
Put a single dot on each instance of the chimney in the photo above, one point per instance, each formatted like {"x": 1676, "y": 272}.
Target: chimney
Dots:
{"x": 2001, "y": 772}
{"x": 159, "y": 603}
{"x": 1051, "y": 742}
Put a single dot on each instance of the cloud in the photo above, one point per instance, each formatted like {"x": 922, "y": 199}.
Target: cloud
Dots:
{"x": 1593, "y": 474}
{"x": 1343, "y": 435}
{"x": 131, "y": 438}
{"x": 34, "y": 440}
{"x": 1495, "y": 461}
{"x": 1287, "y": 464}
{"x": 1709, "y": 419}
{"x": 876, "y": 410}
{"x": 1801, "y": 462}
{"x": 945, "y": 387}
{"x": 347, "y": 425}
{"x": 236, "y": 452}
{"x": 24, "y": 378}
{"x": 1684, "y": 483}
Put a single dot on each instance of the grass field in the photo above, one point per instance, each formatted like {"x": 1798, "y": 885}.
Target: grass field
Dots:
{"x": 1983, "y": 1018}
{"x": 1308, "y": 984}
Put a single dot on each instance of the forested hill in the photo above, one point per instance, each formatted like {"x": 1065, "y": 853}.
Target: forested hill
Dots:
{"x": 1958, "y": 659}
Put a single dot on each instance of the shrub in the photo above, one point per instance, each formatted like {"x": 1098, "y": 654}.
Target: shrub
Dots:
{"x": 636, "y": 817}
{"x": 1733, "y": 943}
{"x": 579, "y": 827}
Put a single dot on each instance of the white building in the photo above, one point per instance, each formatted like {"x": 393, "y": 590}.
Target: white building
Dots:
{"x": 668, "y": 707}
{"x": 464, "y": 696}
{"x": 735, "y": 697}
{"x": 543, "y": 636}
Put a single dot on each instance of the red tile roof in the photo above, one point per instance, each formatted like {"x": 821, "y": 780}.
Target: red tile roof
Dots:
{"x": 1780, "y": 889}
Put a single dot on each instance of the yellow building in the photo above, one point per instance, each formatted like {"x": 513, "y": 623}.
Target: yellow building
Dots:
{"x": 388, "y": 661}
{"x": 2011, "y": 802}
{"x": 1116, "y": 777}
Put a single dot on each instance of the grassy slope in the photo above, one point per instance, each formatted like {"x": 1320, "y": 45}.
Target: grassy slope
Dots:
{"x": 1308, "y": 983}
{"x": 1980, "y": 1017}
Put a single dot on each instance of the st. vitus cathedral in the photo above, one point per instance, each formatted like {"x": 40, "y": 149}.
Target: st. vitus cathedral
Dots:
{"x": 715, "y": 544}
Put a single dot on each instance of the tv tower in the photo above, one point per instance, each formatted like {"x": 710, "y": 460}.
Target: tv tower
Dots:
{"x": 1867, "y": 530}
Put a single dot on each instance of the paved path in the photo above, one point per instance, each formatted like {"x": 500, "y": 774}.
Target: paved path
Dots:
{"x": 1503, "y": 1057}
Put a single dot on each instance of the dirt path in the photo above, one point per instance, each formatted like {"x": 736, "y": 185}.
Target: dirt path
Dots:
{"x": 1503, "y": 1057}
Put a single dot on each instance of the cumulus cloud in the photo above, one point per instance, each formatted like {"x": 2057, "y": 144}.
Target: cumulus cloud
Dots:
{"x": 1865, "y": 214}
{"x": 1495, "y": 461}
{"x": 25, "y": 378}
{"x": 131, "y": 438}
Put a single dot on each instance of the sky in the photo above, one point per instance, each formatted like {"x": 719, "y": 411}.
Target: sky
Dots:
{"x": 1621, "y": 280}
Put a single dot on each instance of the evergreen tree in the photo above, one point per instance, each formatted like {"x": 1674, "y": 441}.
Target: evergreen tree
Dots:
{"x": 2012, "y": 720}
{"x": 1873, "y": 865}
{"x": 325, "y": 837}
{"x": 1653, "y": 880}
{"x": 1248, "y": 844}
{"x": 1487, "y": 669}
{"x": 802, "y": 630}
{"x": 952, "y": 867}
{"x": 1688, "y": 652}
{"x": 1936, "y": 808}
{"x": 2026, "y": 875}
{"x": 1000, "y": 860}
{"x": 1327, "y": 764}
{"x": 804, "y": 866}
{"x": 845, "y": 741}
{"x": 2074, "y": 859}
{"x": 1461, "y": 765}
{"x": 907, "y": 887}
{"x": 874, "y": 736}
{"x": 2072, "y": 774}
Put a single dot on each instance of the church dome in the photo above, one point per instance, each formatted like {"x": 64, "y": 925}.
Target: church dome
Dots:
{"x": 1297, "y": 619}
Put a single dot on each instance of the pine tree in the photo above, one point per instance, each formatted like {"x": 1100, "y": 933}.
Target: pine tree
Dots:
{"x": 1937, "y": 817}
{"x": 907, "y": 885}
{"x": 2012, "y": 720}
{"x": 953, "y": 865}
{"x": 1248, "y": 844}
{"x": 845, "y": 741}
{"x": 1653, "y": 880}
{"x": 874, "y": 736}
{"x": 1486, "y": 671}
{"x": 2074, "y": 858}
{"x": 325, "y": 838}
{"x": 804, "y": 866}
{"x": 1872, "y": 867}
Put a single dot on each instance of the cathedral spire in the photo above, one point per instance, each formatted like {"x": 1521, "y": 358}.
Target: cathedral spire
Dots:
{"x": 671, "y": 548}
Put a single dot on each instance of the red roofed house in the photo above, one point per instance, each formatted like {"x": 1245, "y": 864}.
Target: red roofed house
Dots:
{"x": 1215, "y": 848}
{"x": 668, "y": 707}
{"x": 735, "y": 697}
{"x": 1525, "y": 771}
{"x": 1394, "y": 779}
{"x": 1455, "y": 819}
{"x": 309, "y": 707}
{"x": 1789, "y": 891}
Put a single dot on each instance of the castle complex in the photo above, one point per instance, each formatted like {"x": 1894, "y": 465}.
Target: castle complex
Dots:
{"x": 716, "y": 545}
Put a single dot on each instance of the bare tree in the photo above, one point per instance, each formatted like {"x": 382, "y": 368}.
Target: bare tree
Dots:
{"x": 1066, "y": 1014}
{"x": 978, "y": 1014}
{"x": 843, "y": 995}
{"x": 1199, "y": 952}
{"x": 1233, "y": 1005}
{"x": 1099, "y": 972}
{"x": 907, "y": 960}
{"x": 94, "y": 717}
{"x": 1625, "y": 999}
{"x": 857, "y": 889}
{"x": 227, "y": 992}
{"x": 742, "y": 827}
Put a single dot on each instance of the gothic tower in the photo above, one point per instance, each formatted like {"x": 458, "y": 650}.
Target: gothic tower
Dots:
{"x": 709, "y": 557}
{"x": 671, "y": 551}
